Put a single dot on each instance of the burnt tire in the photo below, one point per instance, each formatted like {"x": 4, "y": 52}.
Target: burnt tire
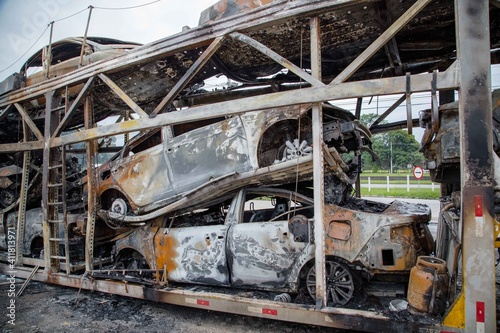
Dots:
{"x": 7, "y": 197}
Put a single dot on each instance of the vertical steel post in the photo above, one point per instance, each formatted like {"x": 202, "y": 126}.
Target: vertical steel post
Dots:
{"x": 91, "y": 215}
{"x": 82, "y": 51}
{"x": 49, "y": 196}
{"x": 317, "y": 129}
{"x": 475, "y": 115}
{"x": 23, "y": 198}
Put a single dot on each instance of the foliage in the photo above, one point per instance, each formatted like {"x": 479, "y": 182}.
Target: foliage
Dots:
{"x": 396, "y": 146}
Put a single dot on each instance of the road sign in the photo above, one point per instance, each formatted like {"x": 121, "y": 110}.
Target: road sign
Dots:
{"x": 418, "y": 172}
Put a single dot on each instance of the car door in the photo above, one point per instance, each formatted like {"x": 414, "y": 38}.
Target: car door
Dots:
{"x": 262, "y": 253}
{"x": 199, "y": 255}
{"x": 193, "y": 246}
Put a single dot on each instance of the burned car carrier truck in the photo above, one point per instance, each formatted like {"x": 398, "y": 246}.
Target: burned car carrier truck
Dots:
{"x": 121, "y": 171}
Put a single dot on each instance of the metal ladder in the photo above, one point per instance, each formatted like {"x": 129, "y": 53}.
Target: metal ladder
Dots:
{"x": 56, "y": 209}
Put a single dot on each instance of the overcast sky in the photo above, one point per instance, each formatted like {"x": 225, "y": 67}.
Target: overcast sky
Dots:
{"x": 23, "y": 21}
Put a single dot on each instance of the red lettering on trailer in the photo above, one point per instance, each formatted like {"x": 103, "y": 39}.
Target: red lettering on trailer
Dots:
{"x": 270, "y": 312}
{"x": 479, "y": 205}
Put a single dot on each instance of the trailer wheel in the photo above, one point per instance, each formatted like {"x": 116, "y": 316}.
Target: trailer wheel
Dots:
{"x": 339, "y": 283}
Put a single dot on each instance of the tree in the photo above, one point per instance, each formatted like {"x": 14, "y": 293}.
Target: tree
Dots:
{"x": 396, "y": 147}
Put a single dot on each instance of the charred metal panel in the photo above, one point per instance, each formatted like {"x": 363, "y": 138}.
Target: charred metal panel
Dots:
{"x": 207, "y": 153}
{"x": 442, "y": 154}
{"x": 262, "y": 254}
{"x": 392, "y": 230}
{"x": 143, "y": 177}
{"x": 194, "y": 254}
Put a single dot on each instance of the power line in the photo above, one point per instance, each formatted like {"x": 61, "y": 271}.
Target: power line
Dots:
{"x": 67, "y": 17}
{"x": 3, "y": 70}
{"x": 121, "y": 8}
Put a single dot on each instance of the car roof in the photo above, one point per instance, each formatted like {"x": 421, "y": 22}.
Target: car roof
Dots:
{"x": 68, "y": 48}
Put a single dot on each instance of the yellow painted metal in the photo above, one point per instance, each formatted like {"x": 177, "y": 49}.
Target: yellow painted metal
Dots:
{"x": 456, "y": 315}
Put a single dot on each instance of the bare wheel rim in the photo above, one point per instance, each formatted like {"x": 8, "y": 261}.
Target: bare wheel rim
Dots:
{"x": 339, "y": 283}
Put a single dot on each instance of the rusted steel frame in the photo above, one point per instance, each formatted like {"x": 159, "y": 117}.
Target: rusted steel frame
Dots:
{"x": 359, "y": 104}
{"x": 71, "y": 111}
{"x": 446, "y": 80}
{"x": 409, "y": 123}
{"x": 91, "y": 188}
{"x": 29, "y": 122}
{"x": 388, "y": 111}
{"x": 21, "y": 146}
{"x": 21, "y": 214}
{"x": 4, "y": 112}
{"x": 48, "y": 196}
{"x": 476, "y": 164}
{"x": 381, "y": 41}
{"x": 195, "y": 37}
{"x": 276, "y": 57}
{"x": 49, "y": 52}
{"x": 186, "y": 78}
{"x": 82, "y": 51}
{"x": 342, "y": 318}
{"x": 391, "y": 47}
{"x": 318, "y": 169}
{"x": 123, "y": 96}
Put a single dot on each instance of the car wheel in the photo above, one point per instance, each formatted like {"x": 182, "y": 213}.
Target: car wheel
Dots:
{"x": 7, "y": 197}
{"x": 339, "y": 283}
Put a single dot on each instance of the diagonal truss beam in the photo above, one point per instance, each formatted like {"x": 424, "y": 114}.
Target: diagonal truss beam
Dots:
{"x": 387, "y": 86}
{"x": 192, "y": 71}
{"x": 73, "y": 107}
{"x": 380, "y": 41}
{"x": 124, "y": 97}
{"x": 276, "y": 57}
{"x": 388, "y": 111}
{"x": 28, "y": 121}
{"x": 4, "y": 112}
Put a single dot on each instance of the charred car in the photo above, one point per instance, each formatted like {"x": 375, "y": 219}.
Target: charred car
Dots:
{"x": 156, "y": 168}
{"x": 262, "y": 238}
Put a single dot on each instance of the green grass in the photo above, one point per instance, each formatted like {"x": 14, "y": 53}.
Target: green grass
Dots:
{"x": 415, "y": 193}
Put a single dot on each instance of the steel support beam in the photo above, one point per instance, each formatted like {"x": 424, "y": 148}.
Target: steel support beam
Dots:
{"x": 475, "y": 116}
{"x": 445, "y": 80}
{"x": 188, "y": 76}
{"x": 388, "y": 111}
{"x": 71, "y": 111}
{"x": 349, "y": 319}
{"x": 318, "y": 169}
{"x": 380, "y": 41}
{"x": 49, "y": 195}
{"x": 23, "y": 198}
{"x": 91, "y": 188}
{"x": 123, "y": 96}
{"x": 29, "y": 122}
{"x": 279, "y": 59}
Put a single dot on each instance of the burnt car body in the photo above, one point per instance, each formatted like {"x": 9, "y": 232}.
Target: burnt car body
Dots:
{"x": 154, "y": 170}
{"x": 32, "y": 243}
{"x": 262, "y": 238}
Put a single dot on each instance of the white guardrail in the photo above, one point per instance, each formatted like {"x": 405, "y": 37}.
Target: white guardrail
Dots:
{"x": 388, "y": 185}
